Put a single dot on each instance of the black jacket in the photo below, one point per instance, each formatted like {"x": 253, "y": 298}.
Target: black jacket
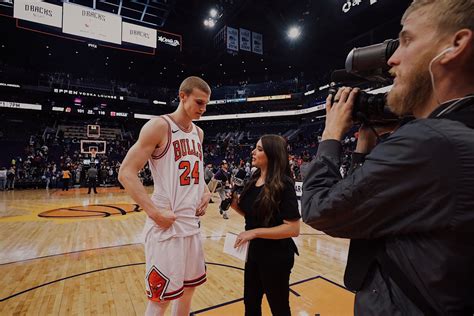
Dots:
{"x": 414, "y": 194}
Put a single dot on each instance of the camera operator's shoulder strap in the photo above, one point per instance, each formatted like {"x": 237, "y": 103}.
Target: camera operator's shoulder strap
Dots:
{"x": 391, "y": 269}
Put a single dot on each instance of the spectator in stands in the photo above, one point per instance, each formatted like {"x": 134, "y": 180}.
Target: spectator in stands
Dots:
{"x": 3, "y": 178}
{"x": 47, "y": 177}
{"x": 103, "y": 175}
{"x": 208, "y": 173}
{"x": 65, "y": 177}
{"x": 223, "y": 176}
{"x": 11, "y": 176}
{"x": 110, "y": 178}
{"x": 92, "y": 179}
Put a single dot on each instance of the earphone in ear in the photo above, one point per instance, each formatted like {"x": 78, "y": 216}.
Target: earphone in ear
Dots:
{"x": 449, "y": 49}
{"x": 441, "y": 54}
{"x": 444, "y": 51}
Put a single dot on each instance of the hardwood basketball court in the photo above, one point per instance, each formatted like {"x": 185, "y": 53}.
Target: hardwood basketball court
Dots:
{"x": 70, "y": 253}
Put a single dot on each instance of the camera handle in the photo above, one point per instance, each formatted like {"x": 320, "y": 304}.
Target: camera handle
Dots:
{"x": 365, "y": 122}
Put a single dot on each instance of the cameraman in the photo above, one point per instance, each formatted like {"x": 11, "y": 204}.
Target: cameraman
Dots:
{"x": 408, "y": 205}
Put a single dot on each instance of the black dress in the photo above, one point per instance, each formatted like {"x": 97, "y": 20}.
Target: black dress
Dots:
{"x": 269, "y": 261}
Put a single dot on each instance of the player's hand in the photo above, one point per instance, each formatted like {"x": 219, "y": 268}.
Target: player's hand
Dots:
{"x": 201, "y": 210}
{"x": 244, "y": 237}
{"x": 164, "y": 218}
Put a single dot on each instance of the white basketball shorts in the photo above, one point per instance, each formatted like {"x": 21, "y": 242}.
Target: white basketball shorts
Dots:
{"x": 172, "y": 265}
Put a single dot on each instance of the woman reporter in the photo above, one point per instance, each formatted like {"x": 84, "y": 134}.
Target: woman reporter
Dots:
{"x": 269, "y": 205}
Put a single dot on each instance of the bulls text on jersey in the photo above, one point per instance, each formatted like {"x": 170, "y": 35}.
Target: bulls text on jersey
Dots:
{"x": 183, "y": 148}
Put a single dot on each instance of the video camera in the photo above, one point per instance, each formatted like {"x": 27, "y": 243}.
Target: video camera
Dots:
{"x": 368, "y": 65}
{"x": 238, "y": 187}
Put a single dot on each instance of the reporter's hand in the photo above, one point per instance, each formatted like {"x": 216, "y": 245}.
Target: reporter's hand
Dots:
{"x": 201, "y": 210}
{"x": 244, "y": 237}
{"x": 339, "y": 114}
{"x": 163, "y": 218}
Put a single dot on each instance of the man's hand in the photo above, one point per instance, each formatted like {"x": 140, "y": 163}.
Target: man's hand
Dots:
{"x": 339, "y": 114}
{"x": 163, "y": 218}
{"x": 367, "y": 138}
{"x": 235, "y": 200}
{"x": 244, "y": 237}
{"x": 201, "y": 210}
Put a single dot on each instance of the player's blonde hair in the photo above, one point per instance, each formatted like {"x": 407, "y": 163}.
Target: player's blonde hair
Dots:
{"x": 192, "y": 82}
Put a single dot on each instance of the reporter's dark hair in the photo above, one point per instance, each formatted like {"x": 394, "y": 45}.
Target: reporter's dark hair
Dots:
{"x": 278, "y": 172}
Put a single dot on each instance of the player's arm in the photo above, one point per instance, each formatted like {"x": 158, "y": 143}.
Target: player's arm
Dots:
{"x": 206, "y": 197}
{"x": 153, "y": 133}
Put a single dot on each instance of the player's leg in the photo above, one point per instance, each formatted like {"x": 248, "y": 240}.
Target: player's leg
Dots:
{"x": 195, "y": 273}
{"x": 182, "y": 306}
{"x": 156, "y": 308}
{"x": 165, "y": 271}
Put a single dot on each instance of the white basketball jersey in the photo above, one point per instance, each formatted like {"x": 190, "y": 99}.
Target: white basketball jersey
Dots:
{"x": 178, "y": 176}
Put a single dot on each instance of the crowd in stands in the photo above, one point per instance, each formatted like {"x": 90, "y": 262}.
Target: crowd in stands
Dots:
{"x": 46, "y": 155}
{"x": 48, "y": 152}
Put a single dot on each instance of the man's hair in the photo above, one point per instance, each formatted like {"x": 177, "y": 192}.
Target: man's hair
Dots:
{"x": 192, "y": 82}
{"x": 447, "y": 15}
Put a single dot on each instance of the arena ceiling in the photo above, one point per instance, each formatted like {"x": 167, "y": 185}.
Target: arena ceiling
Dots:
{"x": 328, "y": 33}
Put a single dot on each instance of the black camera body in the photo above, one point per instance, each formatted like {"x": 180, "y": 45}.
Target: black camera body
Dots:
{"x": 225, "y": 204}
{"x": 368, "y": 65}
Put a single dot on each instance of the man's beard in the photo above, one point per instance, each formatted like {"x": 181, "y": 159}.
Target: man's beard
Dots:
{"x": 416, "y": 89}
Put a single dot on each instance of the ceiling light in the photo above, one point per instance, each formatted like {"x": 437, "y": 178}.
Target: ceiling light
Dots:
{"x": 294, "y": 32}
{"x": 213, "y": 13}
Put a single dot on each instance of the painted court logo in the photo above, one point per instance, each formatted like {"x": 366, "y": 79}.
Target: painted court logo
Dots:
{"x": 90, "y": 211}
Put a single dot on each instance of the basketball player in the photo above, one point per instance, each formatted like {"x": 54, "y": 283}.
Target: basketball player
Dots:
{"x": 172, "y": 145}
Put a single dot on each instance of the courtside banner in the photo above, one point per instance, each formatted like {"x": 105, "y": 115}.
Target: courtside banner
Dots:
{"x": 38, "y": 12}
{"x": 140, "y": 35}
{"x": 17, "y": 105}
{"x": 169, "y": 40}
{"x": 87, "y": 22}
{"x": 299, "y": 188}
{"x": 245, "y": 43}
